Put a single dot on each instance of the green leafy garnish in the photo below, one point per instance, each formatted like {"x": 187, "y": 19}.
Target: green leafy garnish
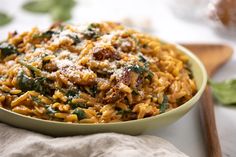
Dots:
{"x": 142, "y": 59}
{"x": 76, "y": 105}
{"x": 30, "y": 67}
{"x": 7, "y": 49}
{"x": 224, "y": 92}
{"x": 4, "y": 19}
{"x": 124, "y": 112}
{"x": 71, "y": 94}
{"x": 60, "y": 10}
{"x": 50, "y": 110}
{"x": 135, "y": 91}
{"x": 164, "y": 105}
{"x": 75, "y": 38}
{"x": 80, "y": 113}
{"x": 91, "y": 90}
{"x": 141, "y": 70}
{"x": 48, "y": 34}
{"x": 137, "y": 69}
{"x": 149, "y": 75}
{"x": 38, "y": 84}
{"x": 92, "y": 32}
{"x": 37, "y": 100}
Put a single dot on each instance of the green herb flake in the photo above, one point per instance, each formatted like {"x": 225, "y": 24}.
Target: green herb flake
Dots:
{"x": 38, "y": 84}
{"x": 92, "y": 90}
{"x": 142, "y": 59}
{"x": 50, "y": 110}
{"x": 124, "y": 112}
{"x": 92, "y": 32}
{"x": 80, "y": 113}
{"x": 164, "y": 105}
{"x": 30, "y": 67}
{"x": 141, "y": 70}
{"x": 36, "y": 100}
{"x": 138, "y": 69}
{"x": 7, "y": 49}
{"x": 135, "y": 91}
{"x": 224, "y": 92}
{"x": 4, "y": 19}
{"x": 75, "y": 39}
{"x": 48, "y": 34}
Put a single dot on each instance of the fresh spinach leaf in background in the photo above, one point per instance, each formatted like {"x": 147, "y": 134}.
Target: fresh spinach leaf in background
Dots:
{"x": 60, "y": 10}
{"x": 38, "y": 6}
{"x": 4, "y": 19}
{"x": 224, "y": 92}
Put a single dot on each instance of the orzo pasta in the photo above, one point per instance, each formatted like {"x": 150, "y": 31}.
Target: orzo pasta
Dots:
{"x": 95, "y": 73}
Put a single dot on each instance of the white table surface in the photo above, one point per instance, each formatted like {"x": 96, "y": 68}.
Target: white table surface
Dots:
{"x": 186, "y": 133}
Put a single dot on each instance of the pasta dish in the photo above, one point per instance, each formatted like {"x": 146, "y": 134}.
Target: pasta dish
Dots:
{"x": 92, "y": 73}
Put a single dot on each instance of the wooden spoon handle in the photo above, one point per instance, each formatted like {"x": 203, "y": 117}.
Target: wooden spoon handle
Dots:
{"x": 208, "y": 121}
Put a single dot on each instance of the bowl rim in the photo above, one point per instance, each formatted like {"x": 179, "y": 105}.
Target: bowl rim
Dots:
{"x": 193, "y": 100}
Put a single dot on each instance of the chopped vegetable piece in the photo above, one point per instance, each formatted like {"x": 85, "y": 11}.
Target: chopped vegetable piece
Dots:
{"x": 7, "y": 49}
{"x": 141, "y": 70}
{"x": 80, "y": 113}
{"x": 92, "y": 31}
{"x": 36, "y": 100}
{"x": 164, "y": 104}
{"x": 47, "y": 34}
{"x": 80, "y": 104}
{"x": 50, "y": 110}
{"x": 39, "y": 84}
{"x": 135, "y": 92}
{"x": 142, "y": 59}
{"x": 92, "y": 90}
{"x": 30, "y": 67}
{"x": 137, "y": 69}
{"x": 75, "y": 38}
{"x": 124, "y": 112}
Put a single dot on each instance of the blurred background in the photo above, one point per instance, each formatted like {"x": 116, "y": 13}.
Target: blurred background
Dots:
{"x": 172, "y": 20}
{"x": 181, "y": 21}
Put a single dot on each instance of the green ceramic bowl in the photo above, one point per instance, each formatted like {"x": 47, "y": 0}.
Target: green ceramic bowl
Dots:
{"x": 133, "y": 127}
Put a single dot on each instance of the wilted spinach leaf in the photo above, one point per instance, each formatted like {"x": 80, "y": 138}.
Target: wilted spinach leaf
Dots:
{"x": 30, "y": 67}
{"x": 7, "y": 49}
{"x": 80, "y": 113}
{"x": 92, "y": 90}
{"x": 92, "y": 31}
{"x": 164, "y": 104}
{"x": 142, "y": 59}
{"x": 39, "y": 84}
{"x": 75, "y": 38}
{"x": 48, "y": 34}
{"x": 124, "y": 112}
{"x": 50, "y": 110}
{"x": 141, "y": 70}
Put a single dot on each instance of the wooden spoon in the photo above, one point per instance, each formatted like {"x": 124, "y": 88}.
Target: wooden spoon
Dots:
{"x": 213, "y": 57}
